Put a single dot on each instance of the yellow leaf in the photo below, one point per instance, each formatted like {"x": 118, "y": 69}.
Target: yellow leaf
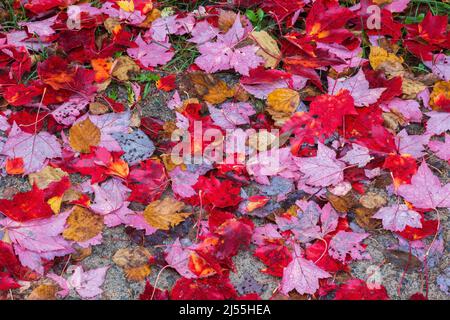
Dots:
{"x": 379, "y": 56}
{"x": 83, "y": 225}
{"x": 55, "y": 203}
{"x": 125, "y": 5}
{"x": 269, "y": 50}
{"x": 134, "y": 261}
{"x": 84, "y": 135}
{"x": 281, "y": 103}
{"x": 218, "y": 93}
{"x": 164, "y": 214}
{"x": 46, "y": 176}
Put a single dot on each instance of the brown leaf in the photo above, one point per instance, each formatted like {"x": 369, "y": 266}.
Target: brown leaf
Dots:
{"x": 281, "y": 104}
{"x": 402, "y": 259}
{"x": 98, "y": 108}
{"x": 364, "y": 218}
{"x": 123, "y": 67}
{"x": 83, "y": 225}
{"x": 81, "y": 254}
{"x": 372, "y": 200}
{"x": 410, "y": 88}
{"x": 342, "y": 204}
{"x": 131, "y": 257}
{"x": 43, "y": 292}
{"x": 84, "y": 135}
{"x": 46, "y": 176}
{"x": 164, "y": 214}
{"x": 205, "y": 86}
{"x": 137, "y": 274}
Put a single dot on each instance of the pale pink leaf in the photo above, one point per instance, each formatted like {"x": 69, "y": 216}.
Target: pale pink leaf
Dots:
{"x": 151, "y": 54}
{"x": 409, "y": 109}
{"x": 411, "y": 144}
{"x": 348, "y": 243}
{"x": 323, "y": 169}
{"x": 441, "y": 149}
{"x": 425, "y": 190}
{"x": 182, "y": 182}
{"x": 397, "y": 217}
{"x": 438, "y": 123}
{"x": 178, "y": 258}
{"x": 358, "y": 155}
{"x": 440, "y": 66}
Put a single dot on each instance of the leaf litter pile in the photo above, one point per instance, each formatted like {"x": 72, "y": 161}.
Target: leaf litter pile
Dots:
{"x": 359, "y": 92}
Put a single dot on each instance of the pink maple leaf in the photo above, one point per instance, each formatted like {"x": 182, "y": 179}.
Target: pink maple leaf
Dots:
{"x": 34, "y": 149}
{"x": 425, "y": 190}
{"x": 232, "y": 114}
{"x": 440, "y": 66}
{"x": 439, "y": 122}
{"x": 323, "y": 169}
{"x": 348, "y": 243}
{"x": 302, "y": 275}
{"x": 38, "y": 239}
{"x": 441, "y": 149}
{"x": 409, "y": 109}
{"x": 178, "y": 258}
{"x": 411, "y": 144}
{"x": 182, "y": 182}
{"x": 397, "y": 217}
{"x": 358, "y": 155}
{"x": 223, "y": 54}
{"x": 358, "y": 86}
{"x": 203, "y": 32}
{"x": 151, "y": 54}
{"x": 86, "y": 283}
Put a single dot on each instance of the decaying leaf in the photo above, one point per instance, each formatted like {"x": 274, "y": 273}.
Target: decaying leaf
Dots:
{"x": 403, "y": 260}
{"x": 344, "y": 203}
{"x": 165, "y": 214}
{"x": 43, "y": 292}
{"x": 83, "y": 225}
{"x": 98, "y": 108}
{"x": 134, "y": 261}
{"x": 123, "y": 67}
{"x": 365, "y": 220}
{"x": 84, "y": 135}
{"x": 281, "y": 104}
{"x": 372, "y": 200}
{"x": 206, "y": 86}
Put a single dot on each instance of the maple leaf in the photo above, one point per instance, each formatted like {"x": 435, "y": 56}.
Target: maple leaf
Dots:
{"x": 164, "y": 214}
{"x": 34, "y": 149}
{"x": 425, "y": 190}
{"x": 302, "y": 275}
{"x": 411, "y": 144}
{"x": 151, "y": 54}
{"x": 210, "y": 288}
{"x": 26, "y": 206}
{"x": 357, "y": 289}
{"x": 438, "y": 123}
{"x": 38, "y": 239}
{"x": 332, "y": 109}
{"x": 396, "y": 218}
{"x": 441, "y": 149}
{"x": 358, "y": 86}
{"x": 183, "y": 181}
{"x": 86, "y": 283}
{"x": 178, "y": 257}
{"x": 136, "y": 145}
{"x": 275, "y": 257}
{"x": 358, "y": 155}
{"x": 347, "y": 243}
{"x": 322, "y": 170}
{"x": 232, "y": 114}
{"x": 223, "y": 54}
{"x": 440, "y": 66}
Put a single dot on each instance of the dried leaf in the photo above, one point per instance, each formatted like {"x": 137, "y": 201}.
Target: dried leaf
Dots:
{"x": 164, "y": 214}
{"x": 43, "y": 292}
{"x": 123, "y": 67}
{"x": 84, "y": 135}
{"x": 372, "y": 200}
{"x": 83, "y": 225}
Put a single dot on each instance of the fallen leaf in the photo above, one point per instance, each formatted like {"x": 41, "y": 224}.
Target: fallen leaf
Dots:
{"x": 281, "y": 104}
{"x": 46, "y": 176}
{"x": 269, "y": 50}
{"x": 83, "y": 225}
{"x": 165, "y": 214}
{"x": 372, "y": 200}
{"x": 134, "y": 261}
{"x": 84, "y": 135}
{"x": 380, "y": 56}
{"x": 43, "y": 292}
{"x": 124, "y": 67}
